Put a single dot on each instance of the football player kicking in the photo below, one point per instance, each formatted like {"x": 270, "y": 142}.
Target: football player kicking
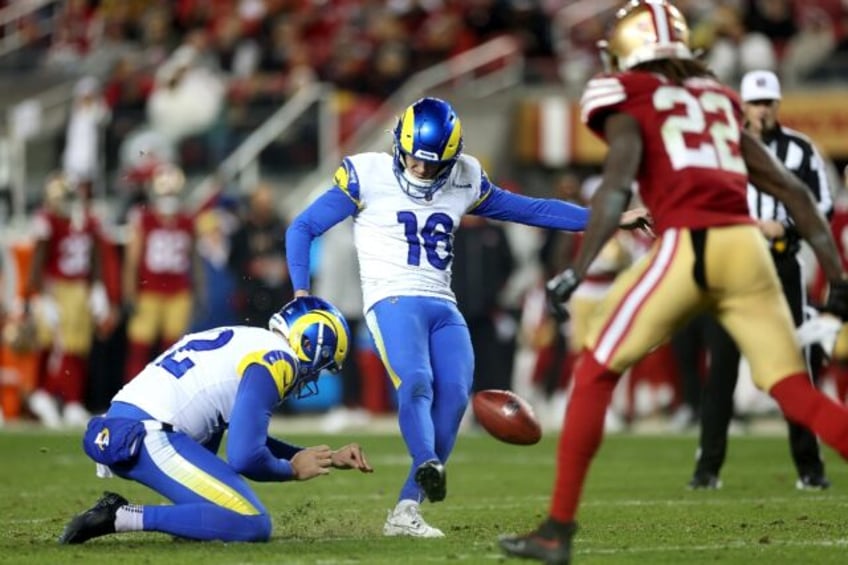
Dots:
{"x": 406, "y": 208}
{"x": 670, "y": 125}
{"x": 163, "y": 429}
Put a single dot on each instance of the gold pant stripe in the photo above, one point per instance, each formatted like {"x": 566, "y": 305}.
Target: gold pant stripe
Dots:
{"x": 170, "y": 462}
{"x": 651, "y": 299}
{"x": 622, "y": 319}
{"x": 371, "y": 321}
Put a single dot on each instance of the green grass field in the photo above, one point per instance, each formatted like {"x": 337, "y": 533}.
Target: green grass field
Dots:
{"x": 636, "y": 509}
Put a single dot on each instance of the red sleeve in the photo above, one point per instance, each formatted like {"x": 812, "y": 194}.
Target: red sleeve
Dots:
{"x": 609, "y": 93}
{"x": 603, "y": 95}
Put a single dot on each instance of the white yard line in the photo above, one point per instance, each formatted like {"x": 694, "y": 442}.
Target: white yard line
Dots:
{"x": 508, "y": 503}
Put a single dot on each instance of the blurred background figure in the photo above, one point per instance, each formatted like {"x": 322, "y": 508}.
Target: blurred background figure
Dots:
{"x": 337, "y": 281}
{"x": 559, "y": 343}
{"x": 187, "y": 98}
{"x": 483, "y": 263}
{"x": 214, "y": 227}
{"x": 689, "y": 345}
{"x": 736, "y": 48}
{"x": 258, "y": 259}
{"x": 66, "y": 297}
{"x": 162, "y": 274}
{"x": 142, "y": 153}
{"x": 549, "y": 337}
{"x": 89, "y": 116}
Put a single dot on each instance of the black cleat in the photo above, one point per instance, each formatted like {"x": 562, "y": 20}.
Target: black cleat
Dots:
{"x": 550, "y": 543}
{"x": 812, "y": 482}
{"x": 98, "y": 520}
{"x": 431, "y": 477}
{"x": 704, "y": 481}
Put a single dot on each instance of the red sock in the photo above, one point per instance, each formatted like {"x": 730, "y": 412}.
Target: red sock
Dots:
{"x": 582, "y": 433}
{"x": 567, "y": 370}
{"x": 138, "y": 355}
{"x": 545, "y": 358}
{"x": 74, "y": 378}
{"x": 805, "y": 405}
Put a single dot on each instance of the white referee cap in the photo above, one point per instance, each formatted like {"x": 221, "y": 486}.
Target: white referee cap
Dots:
{"x": 760, "y": 85}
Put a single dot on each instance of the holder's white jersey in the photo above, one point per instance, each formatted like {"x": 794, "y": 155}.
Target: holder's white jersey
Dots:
{"x": 405, "y": 244}
{"x": 193, "y": 384}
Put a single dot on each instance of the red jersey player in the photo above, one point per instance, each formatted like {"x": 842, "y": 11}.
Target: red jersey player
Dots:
{"x": 66, "y": 265}
{"x": 670, "y": 125}
{"x": 160, "y": 270}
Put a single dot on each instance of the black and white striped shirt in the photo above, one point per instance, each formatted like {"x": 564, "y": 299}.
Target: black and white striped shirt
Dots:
{"x": 799, "y": 155}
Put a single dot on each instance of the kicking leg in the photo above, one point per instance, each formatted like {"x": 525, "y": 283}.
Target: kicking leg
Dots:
{"x": 400, "y": 328}
{"x": 453, "y": 369}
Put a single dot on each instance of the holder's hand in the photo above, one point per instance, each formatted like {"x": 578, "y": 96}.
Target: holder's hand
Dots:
{"x": 311, "y": 462}
{"x": 351, "y": 456}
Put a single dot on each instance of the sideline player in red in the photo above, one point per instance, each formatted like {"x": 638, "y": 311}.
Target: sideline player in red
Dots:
{"x": 673, "y": 127}
{"x": 66, "y": 274}
{"x": 161, "y": 267}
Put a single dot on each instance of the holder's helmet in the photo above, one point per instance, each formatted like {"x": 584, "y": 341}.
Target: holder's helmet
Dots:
{"x": 319, "y": 336}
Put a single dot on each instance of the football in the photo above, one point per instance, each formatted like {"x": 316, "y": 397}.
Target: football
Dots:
{"x": 506, "y": 416}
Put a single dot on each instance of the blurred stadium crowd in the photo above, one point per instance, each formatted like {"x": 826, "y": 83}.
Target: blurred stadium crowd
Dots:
{"x": 167, "y": 89}
{"x": 154, "y": 58}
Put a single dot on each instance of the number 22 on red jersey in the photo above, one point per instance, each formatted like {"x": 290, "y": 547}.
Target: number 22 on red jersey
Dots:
{"x": 691, "y": 163}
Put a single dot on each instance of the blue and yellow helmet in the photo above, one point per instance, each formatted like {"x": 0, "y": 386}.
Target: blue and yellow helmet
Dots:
{"x": 319, "y": 336}
{"x": 428, "y": 130}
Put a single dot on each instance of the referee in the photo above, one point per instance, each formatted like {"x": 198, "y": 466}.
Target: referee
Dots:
{"x": 760, "y": 92}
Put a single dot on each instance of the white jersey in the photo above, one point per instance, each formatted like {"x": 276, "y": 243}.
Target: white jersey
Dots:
{"x": 193, "y": 384}
{"x": 405, "y": 244}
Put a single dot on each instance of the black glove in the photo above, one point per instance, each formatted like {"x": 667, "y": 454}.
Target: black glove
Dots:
{"x": 127, "y": 309}
{"x": 837, "y": 300}
{"x": 559, "y": 289}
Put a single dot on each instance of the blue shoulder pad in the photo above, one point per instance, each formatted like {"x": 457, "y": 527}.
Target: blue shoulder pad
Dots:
{"x": 347, "y": 180}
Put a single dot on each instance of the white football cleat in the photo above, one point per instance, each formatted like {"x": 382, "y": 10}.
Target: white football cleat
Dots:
{"x": 75, "y": 415}
{"x": 406, "y": 520}
{"x": 44, "y": 407}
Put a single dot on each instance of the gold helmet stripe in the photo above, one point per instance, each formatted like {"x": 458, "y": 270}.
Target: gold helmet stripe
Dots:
{"x": 324, "y": 319}
{"x": 407, "y": 127}
{"x": 341, "y": 338}
{"x": 297, "y": 329}
{"x": 453, "y": 142}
